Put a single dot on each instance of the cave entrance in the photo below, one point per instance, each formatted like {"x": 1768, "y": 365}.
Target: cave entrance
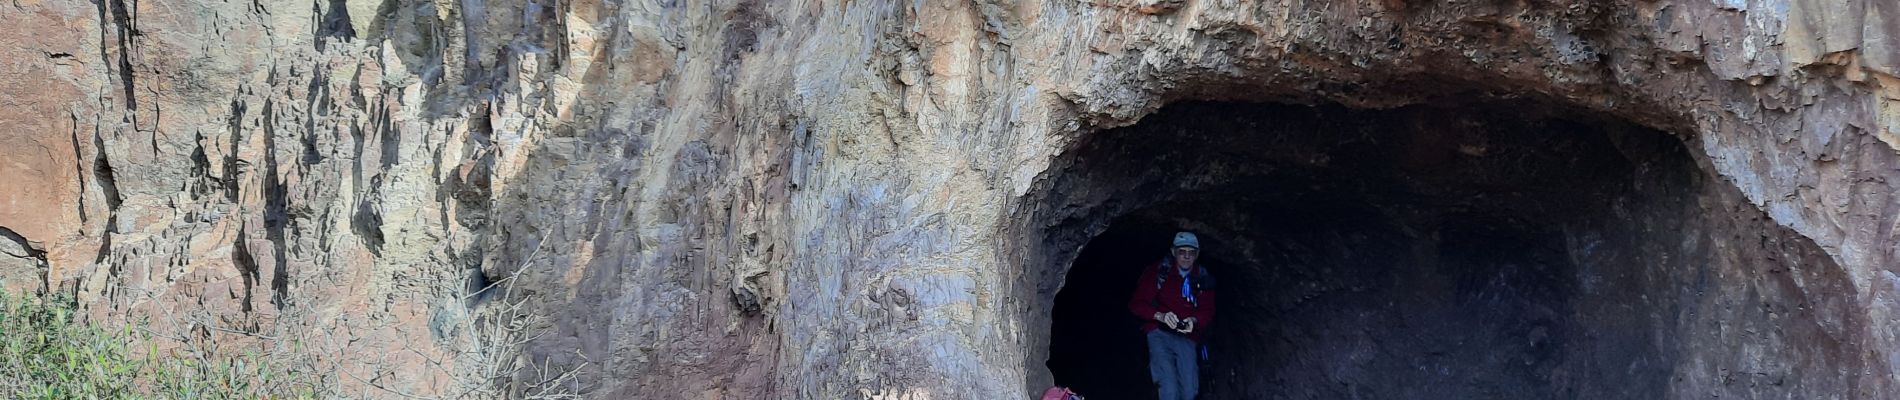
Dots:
{"x": 1496, "y": 249}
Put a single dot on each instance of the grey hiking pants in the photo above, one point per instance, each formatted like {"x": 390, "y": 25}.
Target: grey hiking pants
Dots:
{"x": 1171, "y": 361}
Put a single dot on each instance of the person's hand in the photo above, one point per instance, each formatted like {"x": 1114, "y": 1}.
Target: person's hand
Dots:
{"x": 1168, "y": 318}
{"x": 1187, "y": 325}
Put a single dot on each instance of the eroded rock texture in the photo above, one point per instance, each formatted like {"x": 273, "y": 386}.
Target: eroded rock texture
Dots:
{"x": 806, "y": 199}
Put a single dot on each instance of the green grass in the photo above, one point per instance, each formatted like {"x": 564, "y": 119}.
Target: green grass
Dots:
{"x": 48, "y": 353}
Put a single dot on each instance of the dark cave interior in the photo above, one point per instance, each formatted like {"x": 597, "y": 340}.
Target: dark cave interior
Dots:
{"x": 1487, "y": 250}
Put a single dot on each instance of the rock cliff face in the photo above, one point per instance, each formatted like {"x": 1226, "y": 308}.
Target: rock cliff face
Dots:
{"x": 807, "y": 199}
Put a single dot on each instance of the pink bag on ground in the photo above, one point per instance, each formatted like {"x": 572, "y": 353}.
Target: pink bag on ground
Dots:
{"x": 1060, "y": 393}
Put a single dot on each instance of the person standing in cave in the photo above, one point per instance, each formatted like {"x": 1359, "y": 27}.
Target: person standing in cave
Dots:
{"x": 1175, "y": 297}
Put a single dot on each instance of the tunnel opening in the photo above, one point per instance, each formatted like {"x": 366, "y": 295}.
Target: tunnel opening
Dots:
{"x": 1491, "y": 249}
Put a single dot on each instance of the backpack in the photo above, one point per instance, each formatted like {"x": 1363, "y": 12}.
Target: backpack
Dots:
{"x": 1060, "y": 393}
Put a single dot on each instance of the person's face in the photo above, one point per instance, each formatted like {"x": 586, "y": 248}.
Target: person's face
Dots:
{"x": 1184, "y": 256}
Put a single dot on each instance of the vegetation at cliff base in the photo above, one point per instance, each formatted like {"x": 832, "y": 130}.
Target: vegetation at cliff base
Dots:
{"x": 48, "y": 352}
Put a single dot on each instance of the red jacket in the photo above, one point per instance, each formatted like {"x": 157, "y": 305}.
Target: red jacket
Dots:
{"x": 1165, "y": 296}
